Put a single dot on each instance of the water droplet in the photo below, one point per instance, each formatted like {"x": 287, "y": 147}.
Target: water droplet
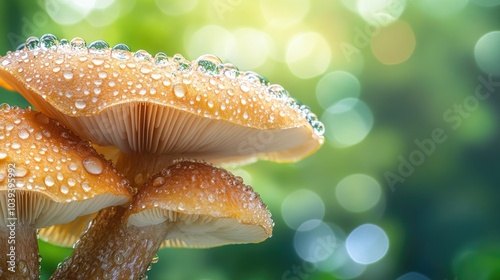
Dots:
{"x": 22, "y": 268}
{"x": 49, "y": 181}
{"x": 142, "y": 55}
{"x": 63, "y": 42}
{"x": 278, "y": 92}
{"x": 118, "y": 258}
{"x": 67, "y": 74}
{"x": 98, "y": 47}
{"x": 155, "y": 259}
{"x": 72, "y": 166}
{"x": 210, "y": 104}
{"x": 3, "y": 155}
{"x": 78, "y": 43}
{"x": 161, "y": 58}
{"x": 93, "y": 165}
{"x": 56, "y": 69}
{"x": 48, "y": 41}
{"x": 64, "y": 189}
{"x": 183, "y": 64}
{"x": 179, "y": 90}
{"x": 20, "y": 171}
{"x": 97, "y": 61}
{"x": 23, "y": 134}
{"x": 71, "y": 182}
{"x": 80, "y": 104}
{"x": 32, "y": 43}
{"x": 244, "y": 87}
{"x": 181, "y": 207}
{"x": 86, "y": 187}
{"x": 5, "y": 62}
{"x": 211, "y": 198}
{"x": 230, "y": 71}
{"x": 209, "y": 64}
{"x": 245, "y": 115}
{"x": 256, "y": 78}
{"x": 121, "y": 51}
{"x": 155, "y": 75}
{"x": 15, "y": 146}
{"x": 102, "y": 75}
{"x": 158, "y": 182}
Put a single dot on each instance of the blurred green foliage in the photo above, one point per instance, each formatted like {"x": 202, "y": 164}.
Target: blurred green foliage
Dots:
{"x": 441, "y": 220}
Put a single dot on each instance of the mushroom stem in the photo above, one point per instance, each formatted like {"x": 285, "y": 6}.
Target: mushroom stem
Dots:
{"x": 19, "y": 258}
{"x": 138, "y": 167}
{"x": 111, "y": 250}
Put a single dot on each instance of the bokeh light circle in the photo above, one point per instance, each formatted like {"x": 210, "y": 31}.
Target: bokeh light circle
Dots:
{"x": 413, "y": 276}
{"x": 211, "y": 39}
{"x": 314, "y": 241}
{"x": 284, "y": 12}
{"x": 347, "y": 122}
{"x": 70, "y": 11}
{"x": 335, "y": 86}
{"x": 380, "y": 12}
{"x": 394, "y": 44}
{"x": 367, "y": 244}
{"x": 105, "y": 13}
{"x": 176, "y": 7}
{"x": 308, "y": 55}
{"x": 487, "y": 53}
{"x": 358, "y": 193}
{"x": 251, "y": 48}
{"x": 301, "y": 206}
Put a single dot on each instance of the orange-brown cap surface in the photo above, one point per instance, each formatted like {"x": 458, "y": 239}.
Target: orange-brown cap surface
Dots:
{"x": 53, "y": 175}
{"x": 139, "y": 103}
{"x": 203, "y": 206}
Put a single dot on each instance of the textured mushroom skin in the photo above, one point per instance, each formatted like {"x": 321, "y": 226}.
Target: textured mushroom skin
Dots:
{"x": 200, "y": 190}
{"x": 110, "y": 250}
{"x": 78, "y": 81}
{"x": 88, "y": 88}
{"x": 19, "y": 260}
{"x": 52, "y": 161}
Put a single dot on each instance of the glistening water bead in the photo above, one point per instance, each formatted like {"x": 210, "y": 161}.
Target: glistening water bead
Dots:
{"x": 163, "y": 69}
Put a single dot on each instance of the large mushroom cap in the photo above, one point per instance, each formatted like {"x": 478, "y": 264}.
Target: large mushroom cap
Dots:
{"x": 139, "y": 103}
{"x": 203, "y": 206}
{"x": 52, "y": 174}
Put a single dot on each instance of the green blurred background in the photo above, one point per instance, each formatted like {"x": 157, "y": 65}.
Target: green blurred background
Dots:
{"x": 407, "y": 184}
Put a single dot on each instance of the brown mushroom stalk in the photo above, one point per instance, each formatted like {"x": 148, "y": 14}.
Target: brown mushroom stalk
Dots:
{"x": 48, "y": 176}
{"x": 19, "y": 247}
{"x": 189, "y": 204}
{"x": 110, "y": 250}
{"x": 146, "y": 110}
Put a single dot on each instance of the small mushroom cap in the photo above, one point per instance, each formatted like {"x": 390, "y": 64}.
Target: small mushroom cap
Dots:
{"x": 204, "y": 206}
{"x": 139, "y": 103}
{"x": 53, "y": 175}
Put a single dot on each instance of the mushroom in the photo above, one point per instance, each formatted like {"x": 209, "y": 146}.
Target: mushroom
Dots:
{"x": 188, "y": 204}
{"x": 155, "y": 109}
{"x": 148, "y": 111}
{"x": 47, "y": 176}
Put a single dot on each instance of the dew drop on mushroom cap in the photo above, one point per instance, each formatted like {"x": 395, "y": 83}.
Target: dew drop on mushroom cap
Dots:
{"x": 160, "y": 104}
{"x": 203, "y": 206}
{"x": 51, "y": 182}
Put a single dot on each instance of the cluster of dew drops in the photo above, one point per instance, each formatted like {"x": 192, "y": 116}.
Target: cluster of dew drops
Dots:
{"x": 208, "y": 64}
